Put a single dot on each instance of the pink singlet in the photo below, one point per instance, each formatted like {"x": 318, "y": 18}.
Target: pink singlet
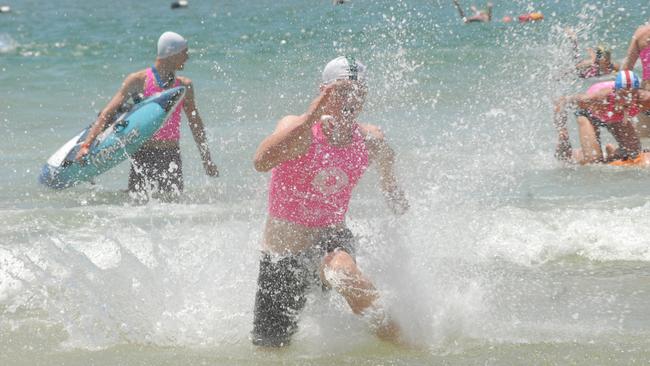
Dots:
{"x": 609, "y": 114}
{"x": 314, "y": 189}
{"x": 644, "y": 55}
{"x": 171, "y": 130}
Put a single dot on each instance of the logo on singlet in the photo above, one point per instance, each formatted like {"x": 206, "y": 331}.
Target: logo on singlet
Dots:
{"x": 330, "y": 180}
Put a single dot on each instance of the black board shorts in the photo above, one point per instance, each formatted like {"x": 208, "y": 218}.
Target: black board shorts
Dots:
{"x": 282, "y": 285}
{"x": 594, "y": 121}
{"x": 156, "y": 170}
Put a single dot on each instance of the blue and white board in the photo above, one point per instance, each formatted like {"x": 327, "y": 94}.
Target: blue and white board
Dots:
{"x": 123, "y": 138}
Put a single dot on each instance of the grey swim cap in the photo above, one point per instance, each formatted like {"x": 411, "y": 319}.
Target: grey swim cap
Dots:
{"x": 170, "y": 44}
{"x": 344, "y": 68}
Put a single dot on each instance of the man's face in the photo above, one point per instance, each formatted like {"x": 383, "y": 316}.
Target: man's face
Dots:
{"x": 604, "y": 62}
{"x": 349, "y": 97}
{"x": 180, "y": 59}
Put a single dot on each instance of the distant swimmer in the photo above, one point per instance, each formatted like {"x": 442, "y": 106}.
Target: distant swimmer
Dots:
{"x": 479, "y": 15}
{"x": 599, "y": 62}
{"x": 179, "y": 4}
{"x": 609, "y": 104}
{"x": 640, "y": 49}
{"x": 157, "y": 166}
{"x": 316, "y": 159}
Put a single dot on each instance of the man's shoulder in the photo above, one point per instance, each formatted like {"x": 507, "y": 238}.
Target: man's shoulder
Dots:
{"x": 135, "y": 79}
{"x": 289, "y": 121}
{"x": 642, "y": 31}
{"x": 137, "y": 75}
{"x": 371, "y": 132}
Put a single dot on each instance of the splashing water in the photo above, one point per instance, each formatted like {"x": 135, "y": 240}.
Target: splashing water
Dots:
{"x": 505, "y": 257}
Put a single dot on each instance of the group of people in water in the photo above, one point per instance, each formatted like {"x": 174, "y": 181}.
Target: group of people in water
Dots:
{"x": 621, "y": 106}
{"x": 317, "y": 157}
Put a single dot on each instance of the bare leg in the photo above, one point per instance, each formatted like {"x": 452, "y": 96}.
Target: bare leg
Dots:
{"x": 590, "y": 141}
{"x": 611, "y": 152}
{"x": 643, "y": 126}
{"x": 340, "y": 271}
{"x": 627, "y": 137}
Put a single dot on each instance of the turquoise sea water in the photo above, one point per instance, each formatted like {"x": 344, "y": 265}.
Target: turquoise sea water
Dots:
{"x": 506, "y": 256}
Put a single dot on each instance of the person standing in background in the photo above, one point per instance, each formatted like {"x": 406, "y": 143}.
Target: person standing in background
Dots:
{"x": 157, "y": 166}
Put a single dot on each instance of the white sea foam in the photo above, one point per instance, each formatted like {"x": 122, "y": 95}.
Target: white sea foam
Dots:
{"x": 7, "y": 44}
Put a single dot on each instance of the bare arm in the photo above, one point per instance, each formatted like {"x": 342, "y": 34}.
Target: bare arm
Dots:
{"x": 460, "y": 11}
{"x": 198, "y": 129}
{"x": 381, "y": 153}
{"x": 632, "y": 53}
{"x": 292, "y": 136}
{"x": 133, "y": 83}
{"x": 580, "y": 100}
{"x": 560, "y": 116}
{"x": 589, "y": 62}
{"x": 573, "y": 38}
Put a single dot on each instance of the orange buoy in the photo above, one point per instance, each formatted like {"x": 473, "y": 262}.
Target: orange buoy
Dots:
{"x": 531, "y": 17}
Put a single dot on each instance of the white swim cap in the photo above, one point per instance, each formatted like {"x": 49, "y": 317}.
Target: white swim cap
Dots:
{"x": 344, "y": 67}
{"x": 170, "y": 44}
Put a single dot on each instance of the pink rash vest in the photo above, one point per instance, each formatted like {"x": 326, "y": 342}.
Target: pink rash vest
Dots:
{"x": 171, "y": 130}
{"x": 314, "y": 190}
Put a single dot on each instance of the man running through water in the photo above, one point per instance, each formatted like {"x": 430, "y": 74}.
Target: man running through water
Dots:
{"x": 157, "y": 165}
{"x": 316, "y": 160}
{"x": 608, "y": 104}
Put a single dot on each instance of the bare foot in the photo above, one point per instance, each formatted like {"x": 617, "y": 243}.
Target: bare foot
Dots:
{"x": 611, "y": 151}
{"x": 388, "y": 331}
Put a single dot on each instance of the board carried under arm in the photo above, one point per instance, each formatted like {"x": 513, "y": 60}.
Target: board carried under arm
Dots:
{"x": 122, "y": 138}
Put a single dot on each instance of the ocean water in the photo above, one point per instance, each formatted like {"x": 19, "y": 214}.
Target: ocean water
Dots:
{"x": 506, "y": 257}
